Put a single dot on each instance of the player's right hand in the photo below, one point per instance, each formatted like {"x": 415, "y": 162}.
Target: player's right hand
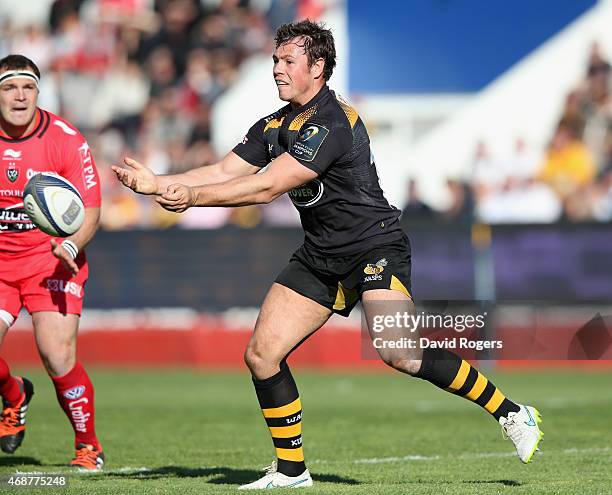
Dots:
{"x": 137, "y": 177}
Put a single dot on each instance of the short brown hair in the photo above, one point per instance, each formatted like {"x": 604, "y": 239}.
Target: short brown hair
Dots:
{"x": 318, "y": 42}
{"x": 16, "y": 62}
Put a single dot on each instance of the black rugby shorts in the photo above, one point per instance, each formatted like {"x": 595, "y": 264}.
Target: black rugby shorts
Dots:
{"x": 338, "y": 282}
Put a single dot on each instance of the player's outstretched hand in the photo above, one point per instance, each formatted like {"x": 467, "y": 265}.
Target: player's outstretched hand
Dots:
{"x": 177, "y": 198}
{"x": 64, "y": 256}
{"x": 137, "y": 177}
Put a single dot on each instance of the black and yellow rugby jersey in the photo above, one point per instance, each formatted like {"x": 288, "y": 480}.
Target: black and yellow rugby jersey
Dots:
{"x": 343, "y": 210}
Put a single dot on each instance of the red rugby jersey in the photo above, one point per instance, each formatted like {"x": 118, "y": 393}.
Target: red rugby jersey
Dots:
{"x": 54, "y": 146}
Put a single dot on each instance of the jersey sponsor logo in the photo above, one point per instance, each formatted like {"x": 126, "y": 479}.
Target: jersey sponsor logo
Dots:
{"x": 79, "y": 417}
{"x": 10, "y": 154}
{"x": 31, "y": 173}
{"x": 245, "y": 140}
{"x": 12, "y": 172}
{"x": 309, "y": 142}
{"x": 15, "y": 219}
{"x": 57, "y": 285}
{"x": 89, "y": 174}
{"x": 11, "y": 193}
{"x": 75, "y": 392}
{"x": 64, "y": 127}
{"x": 374, "y": 270}
{"x": 308, "y": 194}
{"x": 13, "y": 214}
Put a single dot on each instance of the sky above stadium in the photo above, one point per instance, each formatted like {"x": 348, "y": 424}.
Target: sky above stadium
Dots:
{"x": 446, "y": 46}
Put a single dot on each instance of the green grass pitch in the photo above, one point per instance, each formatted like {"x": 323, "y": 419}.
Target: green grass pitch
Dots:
{"x": 185, "y": 432}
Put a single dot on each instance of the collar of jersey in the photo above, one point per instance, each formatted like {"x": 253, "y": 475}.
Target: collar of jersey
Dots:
{"x": 39, "y": 116}
{"x": 323, "y": 92}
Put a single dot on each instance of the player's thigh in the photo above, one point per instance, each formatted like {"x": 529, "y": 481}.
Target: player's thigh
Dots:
{"x": 55, "y": 334}
{"x": 286, "y": 318}
{"x": 388, "y": 315}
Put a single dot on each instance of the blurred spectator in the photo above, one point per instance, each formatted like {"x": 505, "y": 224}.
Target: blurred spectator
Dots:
{"x": 34, "y": 43}
{"x": 568, "y": 165}
{"x": 602, "y": 198}
{"x": 415, "y": 209}
{"x": 598, "y": 106}
{"x": 511, "y": 193}
{"x": 461, "y": 208}
{"x": 487, "y": 174}
{"x": 123, "y": 91}
{"x": 161, "y": 69}
{"x": 177, "y": 19}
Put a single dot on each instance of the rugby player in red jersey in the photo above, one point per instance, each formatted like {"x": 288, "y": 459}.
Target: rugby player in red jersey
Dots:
{"x": 43, "y": 274}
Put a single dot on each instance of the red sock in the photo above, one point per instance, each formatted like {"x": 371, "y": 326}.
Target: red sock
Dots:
{"x": 9, "y": 387}
{"x": 75, "y": 394}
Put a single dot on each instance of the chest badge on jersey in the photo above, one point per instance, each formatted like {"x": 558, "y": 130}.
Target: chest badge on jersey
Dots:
{"x": 309, "y": 141}
{"x": 12, "y": 172}
{"x": 11, "y": 156}
{"x": 308, "y": 194}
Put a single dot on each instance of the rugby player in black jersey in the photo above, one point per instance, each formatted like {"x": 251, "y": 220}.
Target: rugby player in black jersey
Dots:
{"x": 317, "y": 149}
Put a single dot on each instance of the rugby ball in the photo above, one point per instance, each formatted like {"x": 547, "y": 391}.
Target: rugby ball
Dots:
{"x": 53, "y": 204}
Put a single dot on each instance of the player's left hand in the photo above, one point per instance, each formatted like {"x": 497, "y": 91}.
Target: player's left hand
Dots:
{"x": 177, "y": 198}
{"x": 61, "y": 254}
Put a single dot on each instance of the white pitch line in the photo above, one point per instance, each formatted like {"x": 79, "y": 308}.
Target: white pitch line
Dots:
{"x": 128, "y": 469}
{"x": 469, "y": 455}
{"x": 379, "y": 460}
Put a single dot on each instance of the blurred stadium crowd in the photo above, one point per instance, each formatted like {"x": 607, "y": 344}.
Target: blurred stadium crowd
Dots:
{"x": 571, "y": 180}
{"x": 149, "y": 72}
{"x": 139, "y": 78}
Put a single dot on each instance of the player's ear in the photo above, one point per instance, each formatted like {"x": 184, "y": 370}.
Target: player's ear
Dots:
{"x": 317, "y": 68}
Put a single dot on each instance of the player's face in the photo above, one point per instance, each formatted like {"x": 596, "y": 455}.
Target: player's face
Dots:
{"x": 18, "y": 98}
{"x": 295, "y": 81}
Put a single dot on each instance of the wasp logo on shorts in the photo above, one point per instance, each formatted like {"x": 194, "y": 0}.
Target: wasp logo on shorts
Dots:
{"x": 75, "y": 392}
{"x": 374, "y": 270}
